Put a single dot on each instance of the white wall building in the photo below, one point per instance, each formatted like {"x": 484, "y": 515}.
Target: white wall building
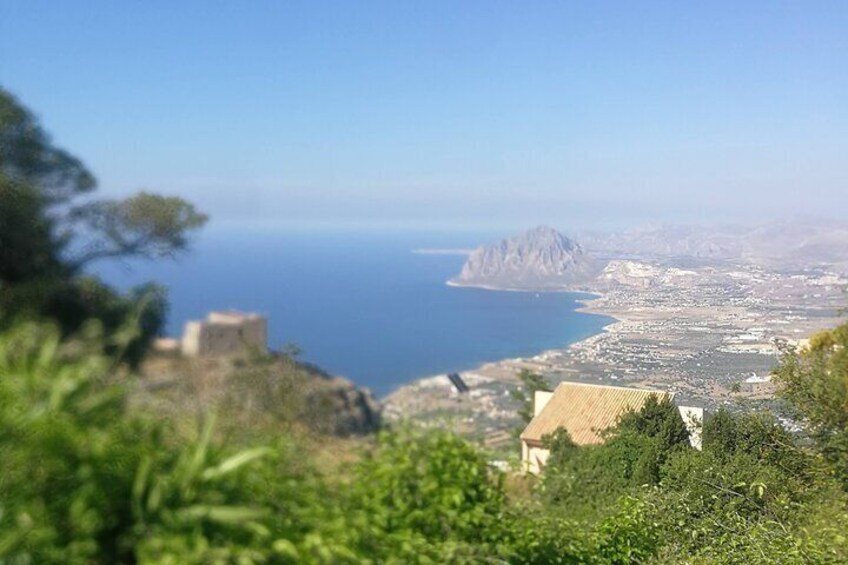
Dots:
{"x": 585, "y": 410}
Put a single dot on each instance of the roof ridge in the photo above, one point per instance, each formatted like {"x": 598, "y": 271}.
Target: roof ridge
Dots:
{"x": 616, "y": 387}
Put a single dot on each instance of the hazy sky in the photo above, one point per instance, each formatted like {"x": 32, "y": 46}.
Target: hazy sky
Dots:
{"x": 447, "y": 113}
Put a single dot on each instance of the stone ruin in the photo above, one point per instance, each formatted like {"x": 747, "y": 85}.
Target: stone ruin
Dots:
{"x": 225, "y": 333}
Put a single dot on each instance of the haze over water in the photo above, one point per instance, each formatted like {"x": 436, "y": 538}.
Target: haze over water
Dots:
{"x": 362, "y": 305}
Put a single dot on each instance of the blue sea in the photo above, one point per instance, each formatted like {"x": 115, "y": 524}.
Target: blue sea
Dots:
{"x": 361, "y": 304}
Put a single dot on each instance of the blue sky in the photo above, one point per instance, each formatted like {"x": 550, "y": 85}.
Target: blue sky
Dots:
{"x": 460, "y": 114}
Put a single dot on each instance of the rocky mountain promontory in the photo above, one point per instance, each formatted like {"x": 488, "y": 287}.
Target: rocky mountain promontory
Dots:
{"x": 540, "y": 259}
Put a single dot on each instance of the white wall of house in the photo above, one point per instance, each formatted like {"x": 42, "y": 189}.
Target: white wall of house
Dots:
{"x": 540, "y": 400}
{"x": 534, "y": 458}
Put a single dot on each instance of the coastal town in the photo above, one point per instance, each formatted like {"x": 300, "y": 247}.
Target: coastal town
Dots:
{"x": 710, "y": 334}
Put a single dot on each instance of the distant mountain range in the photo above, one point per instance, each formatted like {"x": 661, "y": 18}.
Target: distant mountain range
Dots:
{"x": 544, "y": 259}
{"x": 540, "y": 259}
{"x": 780, "y": 244}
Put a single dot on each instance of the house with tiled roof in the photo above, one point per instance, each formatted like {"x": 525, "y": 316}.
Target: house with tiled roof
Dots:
{"x": 585, "y": 411}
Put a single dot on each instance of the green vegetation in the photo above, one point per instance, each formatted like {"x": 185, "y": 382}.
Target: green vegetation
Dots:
{"x": 816, "y": 384}
{"x": 52, "y": 228}
{"x": 586, "y": 482}
{"x": 89, "y": 478}
{"x": 530, "y": 383}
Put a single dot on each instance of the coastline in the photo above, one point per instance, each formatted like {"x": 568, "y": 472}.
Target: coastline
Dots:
{"x": 698, "y": 336}
{"x": 588, "y": 308}
{"x": 455, "y": 284}
{"x": 585, "y": 307}
{"x": 490, "y": 379}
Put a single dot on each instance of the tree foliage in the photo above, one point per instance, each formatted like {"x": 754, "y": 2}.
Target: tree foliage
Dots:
{"x": 85, "y": 481}
{"x": 530, "y": 383}
{"x": 50, "y": 187}
{"x": 143, "y": 225}
{"x": 28, "y": 156}
{"x": 815, "y": 382}
{"x": 588, "y": 480}
{"x": 51, "y": 229}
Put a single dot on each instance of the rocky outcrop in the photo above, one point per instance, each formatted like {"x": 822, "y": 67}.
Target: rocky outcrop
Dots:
{"x": 339, "y": 408}
{"x": 540, "y": 259}
{"x": 254, "y": 392}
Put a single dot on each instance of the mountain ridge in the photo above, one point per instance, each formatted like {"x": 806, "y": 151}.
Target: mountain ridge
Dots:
{"x": 538, "y": 259}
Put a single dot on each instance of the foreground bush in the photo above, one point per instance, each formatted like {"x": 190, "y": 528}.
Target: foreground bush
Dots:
{"x": 85, "y": 479}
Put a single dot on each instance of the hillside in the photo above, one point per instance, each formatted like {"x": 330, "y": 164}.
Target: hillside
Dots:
{"x": 271, "y": 389}
{"x": 784, "y": 244}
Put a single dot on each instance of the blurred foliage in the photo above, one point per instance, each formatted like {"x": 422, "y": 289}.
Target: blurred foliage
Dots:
{"x": 815, "y": 382}
{"x": 84, "y": 481}
{"x": 47, "y": 185}
{"x": 426, "y": 486}
{"x": 52, "y": 228}
{"x": 525, "y": 394}
{"x": 586, "y": 481}
{"x": 85, "y": 477}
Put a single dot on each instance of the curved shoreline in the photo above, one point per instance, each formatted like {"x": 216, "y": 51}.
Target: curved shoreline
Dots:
{"x": 584, "y": 307}
{"x": 698, "y": 334}
{"x": 588, "y": 308}
{"x": 455, "y": 284}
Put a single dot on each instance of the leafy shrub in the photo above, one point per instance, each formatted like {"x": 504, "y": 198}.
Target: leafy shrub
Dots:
{"x": 815, "y": 382}
{"x": 83, "y": 480}
{"x": 421, "y": 486}
{"x": 586, "y": 482}
{"x": 86, "y": 479}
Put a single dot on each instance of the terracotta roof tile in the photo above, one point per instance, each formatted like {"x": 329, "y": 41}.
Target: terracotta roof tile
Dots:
{"x": 585, "y": 410}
